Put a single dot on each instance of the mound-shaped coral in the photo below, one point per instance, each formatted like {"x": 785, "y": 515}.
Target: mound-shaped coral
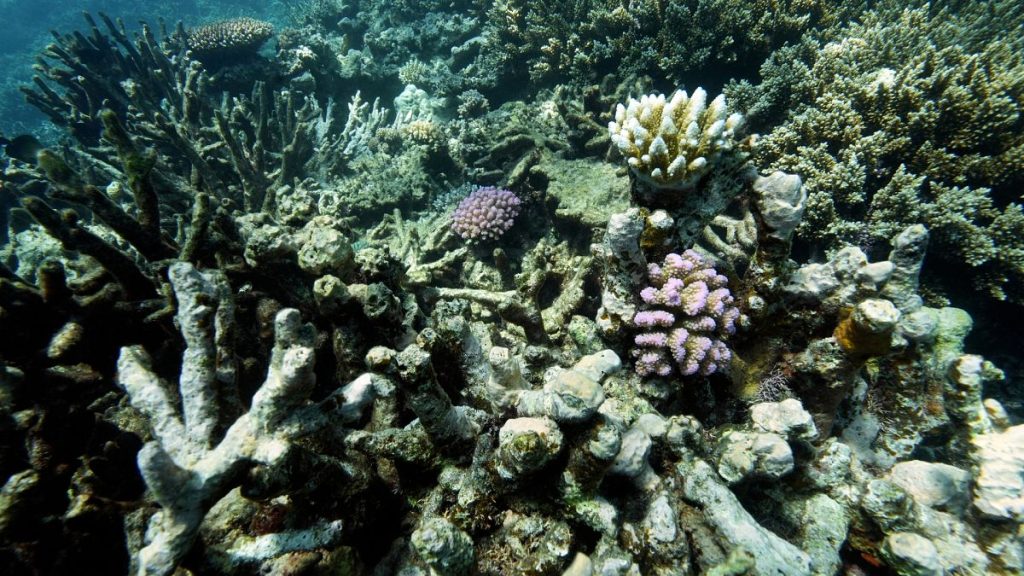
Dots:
{"x": 486, "y": 214}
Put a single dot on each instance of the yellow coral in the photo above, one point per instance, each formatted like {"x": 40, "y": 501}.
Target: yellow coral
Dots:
{"x": 423, "y": 132}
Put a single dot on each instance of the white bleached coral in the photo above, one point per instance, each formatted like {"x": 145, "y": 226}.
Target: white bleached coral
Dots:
{"x": 189, "y": 466}
{"x": 673, "y": 142}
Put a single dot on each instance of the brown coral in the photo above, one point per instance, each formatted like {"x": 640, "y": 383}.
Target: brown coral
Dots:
{"x": 229, "y": 37}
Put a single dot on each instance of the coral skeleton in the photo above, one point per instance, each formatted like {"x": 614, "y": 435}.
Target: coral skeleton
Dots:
{"x": 188, "y": 465}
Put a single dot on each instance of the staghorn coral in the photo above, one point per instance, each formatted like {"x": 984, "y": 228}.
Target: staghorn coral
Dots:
{"x": 551, "y": 37}
{"x": 243, "y": 146}
{"x": 314, "y": 13}
{"x": 712, "y": 34}
{"x": 908, "y": 120}
{"x": 689, "y": 313}
{"x": 673, "y": 142}
{"x": 194, "y": 460}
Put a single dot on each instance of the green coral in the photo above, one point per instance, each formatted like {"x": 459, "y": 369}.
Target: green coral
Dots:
{"x": 709, "y": 34}
{"x": 552, "y": 37}
{"x": 907, "y": 120}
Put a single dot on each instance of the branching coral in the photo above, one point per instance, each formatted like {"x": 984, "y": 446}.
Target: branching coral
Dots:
{"x": 552, "y": 37}
{"x": 193, "y": 461}
{"x": 689, "y": 313}
{"x": 676, "y": 40}
{"x": 241, "y": 147}
{"x": 909, "y": 121}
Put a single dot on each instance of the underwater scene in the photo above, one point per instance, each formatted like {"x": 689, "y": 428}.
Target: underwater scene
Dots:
{"x": 512, "y": 287}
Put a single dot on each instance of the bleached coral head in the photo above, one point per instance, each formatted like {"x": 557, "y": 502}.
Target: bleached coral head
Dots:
{"x": 673, "y": 142}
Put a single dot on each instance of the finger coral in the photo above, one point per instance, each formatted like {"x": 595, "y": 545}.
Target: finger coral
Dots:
{"x": 689, "y": 313}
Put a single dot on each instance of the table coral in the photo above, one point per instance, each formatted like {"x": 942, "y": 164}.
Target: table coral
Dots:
{"x": 229, "y": 37}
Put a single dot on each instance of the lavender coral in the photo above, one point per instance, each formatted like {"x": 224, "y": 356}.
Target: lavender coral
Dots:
{"x": 486, "y": 214}
{"x": 689, "y": 313}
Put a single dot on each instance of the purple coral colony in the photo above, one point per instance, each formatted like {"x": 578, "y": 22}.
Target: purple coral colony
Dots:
{"x": 689, "y": 313}
{"x": 675, "y": 333}
{"x": 486, "y": 214}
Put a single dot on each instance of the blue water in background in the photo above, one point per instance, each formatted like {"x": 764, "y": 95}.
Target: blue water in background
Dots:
{"x": 27, "y": 27}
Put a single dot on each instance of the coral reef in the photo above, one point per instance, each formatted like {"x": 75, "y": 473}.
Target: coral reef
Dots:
{"x": 483, "y": 320}
{"x": 582, "y": 40}
{"x": 899, "y": 121}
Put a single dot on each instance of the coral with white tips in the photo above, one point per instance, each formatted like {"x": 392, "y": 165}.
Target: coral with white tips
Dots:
{"x": 689, "y": 311}
{"x": 673, "y": 142}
